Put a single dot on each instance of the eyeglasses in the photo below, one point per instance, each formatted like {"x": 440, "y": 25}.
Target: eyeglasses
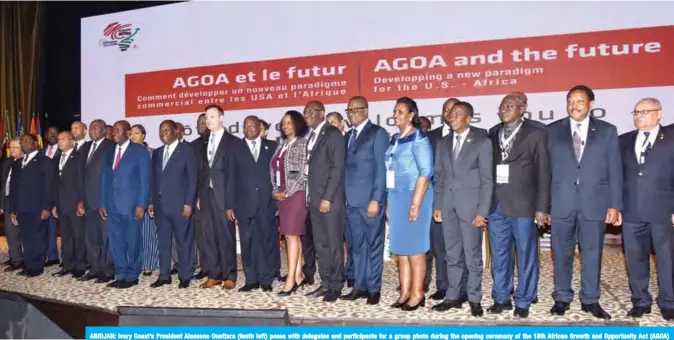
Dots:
{"x": 643, "y": 112}
{"x": 508, "y": 106}
{"x": 354, "y": 109}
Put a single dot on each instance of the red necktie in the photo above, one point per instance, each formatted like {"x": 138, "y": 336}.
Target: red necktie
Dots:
{"x": 51, "y": 151}
{"x": 117, "y": 159}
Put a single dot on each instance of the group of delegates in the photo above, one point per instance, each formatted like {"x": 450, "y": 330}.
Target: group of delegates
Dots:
{"x": 328, "y": 193}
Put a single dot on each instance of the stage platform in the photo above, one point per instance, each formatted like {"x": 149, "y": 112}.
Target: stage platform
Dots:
{"x": 69, "y": 293}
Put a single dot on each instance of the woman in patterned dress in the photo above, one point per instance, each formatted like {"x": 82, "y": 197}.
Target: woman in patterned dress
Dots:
{"x": 149, "y": 247}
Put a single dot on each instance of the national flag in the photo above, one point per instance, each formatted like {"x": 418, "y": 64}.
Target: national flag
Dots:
{"x": 8, "y": 131}
{"x": 40, "y": 140}
{"x": 19, "y": 125}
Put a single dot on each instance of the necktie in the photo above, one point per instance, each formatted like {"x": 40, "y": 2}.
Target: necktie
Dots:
{"x": 312, "y": 136}
{"x": 256, "y": 154}
{"x": 76, "y": 146}
{"x": 644, "y": 150}
{"x": 577, "y": 142}
{"x": 165, "y": 158}
{"x": 352, "y": 138}
{"x": 25, "y": 161}
{"x": 117, "y": 159}
{"x": 62, "y": 162}
{"x": 93, "y": 150}
{"x": 51, "y": 151}
{"x": 211, "y": 149}
{"x": 457, "y": 147}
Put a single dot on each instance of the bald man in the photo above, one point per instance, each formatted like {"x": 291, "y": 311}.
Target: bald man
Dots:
{"x": 79, "y": 131}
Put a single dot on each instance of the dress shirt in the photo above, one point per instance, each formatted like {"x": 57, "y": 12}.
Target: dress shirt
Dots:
{"x": 170, "y": 148}
{"x": 639, "y": 144}
{"x": 51, "y": 150}
{"x": 316, "y": 132}
{"x": 123, "y": 146}
{"x": 582, "y": 131}
{"x": 95, "y": 144}
{"x": 358, "y": 129}
{"x": 217, "y": 136}
{"x": 65, "y": 154}
{"x": 462, "y": 140}
{"x": 27, "y": 158}
{"x": 258, "y": 142}
{"x": 79, "y": 144}
{"x": 446, "y": 130}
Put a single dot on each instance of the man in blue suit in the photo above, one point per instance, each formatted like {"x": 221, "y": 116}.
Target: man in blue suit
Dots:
{"x": 365, "y": 188}
{"x": 174, "y": 187}
{"x": 586, "y": 194}
{"x": 125, "y": 192}
{"x": 648, "y": 167}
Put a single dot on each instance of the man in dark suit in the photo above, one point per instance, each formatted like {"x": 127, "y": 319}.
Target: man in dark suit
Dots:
{"x": 69, "y": 192}
{"x": 199, "y": 144}
{"x": 365, "y": 188}
{"x": 12, "y": 232}
{"x": 253, "y": 207}
{"x": 125, "y": 193}
{"x": 325, "y": 193}
{"x": 463, "y": 184}
{"x": 219, "y": 233}
{"x": 586, "y": 195}
{"x": 99, "y": 254}
{"x": 174, "y": 186}
{"x": 437, "y": 250}
{"x": 52, "y": 152}
{"x": 520, "y": 202}
{"x": 648, "y": 164}
{"x": 31, "y": 203}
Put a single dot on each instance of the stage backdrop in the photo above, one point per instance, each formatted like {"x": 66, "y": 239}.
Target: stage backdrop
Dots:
{"x": 264, "y": 58}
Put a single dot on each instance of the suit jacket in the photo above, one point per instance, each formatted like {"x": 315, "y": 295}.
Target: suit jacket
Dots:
{"x": 532, "y": 123}
{"x": 92, "y": 173}
{"x": 465, "y": 185}
{"x": 218, "y": 171}
{"x": 174, "y": 186}
{"x": 200, "y": 145}
{"x": 365, "y": 168}
{"x": 32, "y": 188}
{"x": 326, "y": 166}
{"x": 528, "y": 187}
{"x": 70, "y": 184}
{"x": 435, "y": 136}
{"x": 128, "y": 187}
{"x": 252, "y": 187}
{"x": 294, "y": 163}
{"x": 4, "y": 172}
{"x": 599, "y": 171}
{"x": 648, "y": 189}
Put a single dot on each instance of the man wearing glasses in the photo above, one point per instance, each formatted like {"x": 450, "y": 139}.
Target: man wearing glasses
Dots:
{"x": 586, "y": 195}
{"x": 648, "y": 167}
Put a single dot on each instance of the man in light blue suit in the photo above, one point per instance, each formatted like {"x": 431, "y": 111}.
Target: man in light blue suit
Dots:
{"x": 365, "y": 187}
{"x": 586, "y": 194}
{"x": 125, "y": 192}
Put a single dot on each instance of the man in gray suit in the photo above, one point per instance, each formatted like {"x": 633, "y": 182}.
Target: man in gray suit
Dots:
{"x": 325, "y": 193}
{"x": 463, "y": 188}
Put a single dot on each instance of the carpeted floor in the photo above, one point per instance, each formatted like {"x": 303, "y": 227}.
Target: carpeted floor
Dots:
{"x": 615, "y": 299}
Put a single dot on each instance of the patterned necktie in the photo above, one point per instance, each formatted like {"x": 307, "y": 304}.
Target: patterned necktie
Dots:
{"x": 165, "y": 158}
{"x": 577, "y": 142}
{"x": 211, "y": 149}
{"x": 117, "y": 159}
{"x": 457, "y": 147}
{"x": 644, "y": 150}
{"x": 256, "y": 154}
{"x": 352, "y": 138}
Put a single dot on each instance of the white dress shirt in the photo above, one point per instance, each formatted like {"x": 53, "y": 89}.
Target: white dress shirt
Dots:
{"x": 316, "y": 131}
{"x": 65, "y": 160}
{"x": 216, "y": 136}
{"x": 94, "y": 146}
{"x": 258, "y": 142}
{"x": 581, "y": 130}
{"x": 79, "y": 144}
{"x": 169, "y": 148}
{"x": 641, "y": 143}
{"x": 446, "y": 130}
{"x": 358, "y": 129}
{"x": 117, "y": 151}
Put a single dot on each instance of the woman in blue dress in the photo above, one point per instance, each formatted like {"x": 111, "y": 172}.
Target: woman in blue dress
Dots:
{"x": 409, "y": 162}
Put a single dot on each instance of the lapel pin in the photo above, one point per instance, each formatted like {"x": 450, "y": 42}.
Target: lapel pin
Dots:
{"x": 468, "y": 140}
{"x": 662, "y": 136}
{"x": 266, "y": 148}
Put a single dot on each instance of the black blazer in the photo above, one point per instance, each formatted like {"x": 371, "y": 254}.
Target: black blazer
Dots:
{"x": 435, "y": 136}
{"x": 217, "y": 173}
{"x": 92, "y": 173}
{"x": 32, "y": 187}
{"x": 648, "y": 189}
{"x": 253, "y": 187}
{"x": 528, "y": 187}
{"x": 175, "y": 186}
{"x": 70, "y": 184}
{"x": 4, "y": 171}
{"x": 326, "y": 167}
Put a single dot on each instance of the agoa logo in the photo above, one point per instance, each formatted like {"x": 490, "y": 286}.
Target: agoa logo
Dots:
{"x": 121, "y": 35}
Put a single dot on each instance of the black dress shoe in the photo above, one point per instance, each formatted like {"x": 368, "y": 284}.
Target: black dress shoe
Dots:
{"x": 7, "y": 263}
{"x": 559, "y": 308}
{"x": 200, "y": 275}
{"x": 34, "y": 274}
{"x": 61, "y": 272}
{"x": 23, "y": 272}
{"x": 12, "y": 268}
{"x": 596, "y": 311}
{"x": 355, "y": 294}
{"x": 283, "y": 293}
{"x": 116, "y": 284}
{"x": 373, "y": 298}
{"x": 534, "y": 301}
{"x": 283, "y": 278}
{"x": 476, "y": 309}
{"x": 331, "y": 296}
{"x": 249, "y": 288}
{"x": 439, "y": 295}
{"x": 447, "y": 305}
{"x": 132, "y": 283}
{"x": 147, "y": 273}
{"x": 184, "y": 284}
{"x": 410, "y": 308}
{"x": 350, "y": 282}
{"x": 61, "y": 264}
{"x": 160, "y": 283}
{"x": 88, "y": 277}
{"x": 77, "y": 274}
{"x": 667, "y": 313}
{"x": 87, "y": 267}
{"x": 266, "y": 288}
{"x": 103, "y": 279}
{"x": 51, "y": 263}
{"x": 637, "y": 312}
{"x": 174, "y": 271}
{"x": 319, "y": 292}
{"x": 499, "y": 308}
{"x": 521, "y": 312}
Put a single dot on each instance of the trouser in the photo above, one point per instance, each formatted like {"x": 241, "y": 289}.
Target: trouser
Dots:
{"x": 198, "y": 236}
{"x": 463, "y": 249}
{"x": 12, "y": 233}
{"x": 328, "y": 235}
{"x": 309, "y": 251}
{"x": 259, "y": 245}
{"x": 51, "y": 236}
{"x": 73, "y": 244}
{"x": 33, "y": 234}
{"x": 99, "y": 253}
{"x": 367, "y": 235}
{"x": 219, "y": 241}
{"x": 173, "y": 227}
{"x": 124, "y": 233}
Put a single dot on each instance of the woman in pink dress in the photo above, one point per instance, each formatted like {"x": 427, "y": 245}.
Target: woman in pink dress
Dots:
{"x": 289, "y": 179}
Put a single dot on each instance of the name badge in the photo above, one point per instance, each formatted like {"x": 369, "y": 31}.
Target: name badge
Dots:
{"x": 390, "y": 179}
{"x": 278, "y": 178}
{"x": 502, "y": 173}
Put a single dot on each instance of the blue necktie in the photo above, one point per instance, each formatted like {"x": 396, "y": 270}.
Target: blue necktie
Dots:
{"x": 76, "y": 145}
{"x": 352, "y": 139}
